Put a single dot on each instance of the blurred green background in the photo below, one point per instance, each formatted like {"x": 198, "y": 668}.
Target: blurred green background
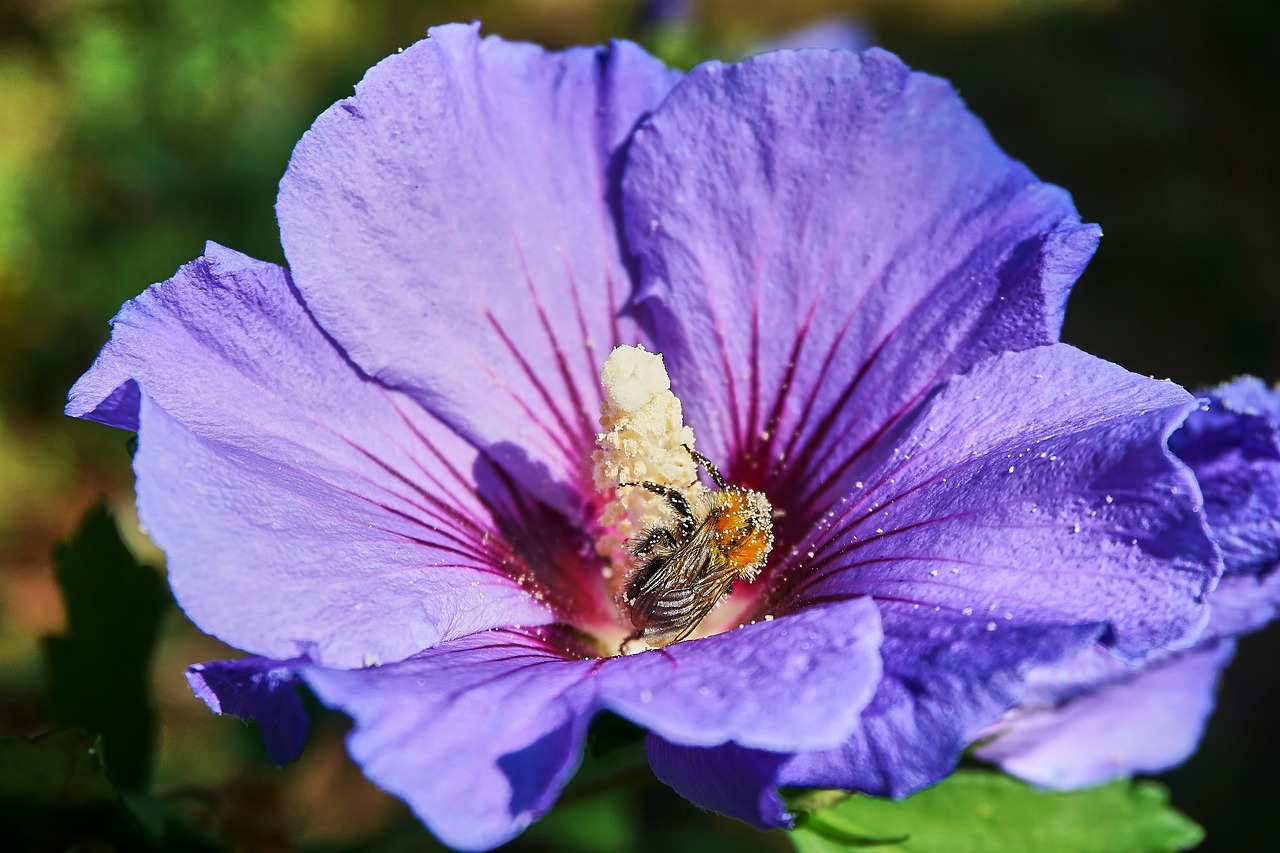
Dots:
{"x": 132, "y": 131}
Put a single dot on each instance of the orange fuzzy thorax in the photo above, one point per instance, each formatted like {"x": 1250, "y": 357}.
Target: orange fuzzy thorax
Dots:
{"x": 744, "y": 529}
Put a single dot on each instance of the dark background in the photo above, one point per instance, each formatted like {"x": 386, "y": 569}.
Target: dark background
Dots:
{"x": 131, "y": 132}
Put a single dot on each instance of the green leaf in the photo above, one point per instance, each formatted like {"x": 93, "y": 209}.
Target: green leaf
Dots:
{"x": 985, "y": 812}
{"x": 98, "y": 671}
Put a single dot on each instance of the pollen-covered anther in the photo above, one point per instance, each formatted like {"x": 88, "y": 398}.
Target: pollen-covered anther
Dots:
{"x": 645, "y": 441}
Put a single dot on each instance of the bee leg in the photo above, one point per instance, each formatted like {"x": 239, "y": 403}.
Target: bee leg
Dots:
{"x": 650, "y": 539}
{"x": 709, "y": 465}
{"x": 679, "y": 505}
{"x": 633, "y": 637}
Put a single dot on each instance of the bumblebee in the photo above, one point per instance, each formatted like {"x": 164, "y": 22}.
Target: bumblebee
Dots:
{"x": 682, "y": 569}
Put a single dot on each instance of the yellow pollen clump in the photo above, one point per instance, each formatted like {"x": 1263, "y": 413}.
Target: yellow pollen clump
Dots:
{"x": 644, "y": 441}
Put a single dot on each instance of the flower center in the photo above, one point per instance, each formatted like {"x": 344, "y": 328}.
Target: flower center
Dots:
{"x": 680, "y": 545}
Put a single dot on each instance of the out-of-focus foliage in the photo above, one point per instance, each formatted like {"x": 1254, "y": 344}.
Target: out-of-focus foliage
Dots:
{"x": 55, "y": 794}
{"x": 134, "y": 130}
{"x": 98, "y": 671}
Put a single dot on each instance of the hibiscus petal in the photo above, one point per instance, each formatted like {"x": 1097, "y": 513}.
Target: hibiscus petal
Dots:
{"x": 1243, "y": 603}
{"x": 1097, "y": 716}
{"x": 946, "y": 679}
{"x": 1242, "y": 504}
{"x": 259, "y": 689}
{"x": 452, "y": 227}
{"x": 1249, "y": 395}
{"x": 1146, "y": 722}
{"x": 1233, "y": 446}
{"x": 822, "y": 238}
{"x": 1068, "y": 511}
{"x": 729, "y": 779}
{"x": 305, "y": 509}
{"x": 768, "y": 686}
{"x": 480, "y": 734}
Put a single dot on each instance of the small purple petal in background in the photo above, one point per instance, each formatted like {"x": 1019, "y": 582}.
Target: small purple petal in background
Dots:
{"x": 1099, "y": 717}
{"x": 1242, "y": 604}
{"x": 1144, "y": 720}
{"x": 256, "y": 689}
{"x": 831, "y": 34}
{"x": 1233, "y": 445}
{"x": 657, "y": 13}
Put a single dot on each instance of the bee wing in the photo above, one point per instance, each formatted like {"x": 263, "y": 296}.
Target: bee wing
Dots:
{"x": 669, "y": 602}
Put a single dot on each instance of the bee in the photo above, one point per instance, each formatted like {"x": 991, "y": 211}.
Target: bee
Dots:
{"x": 682, "y": 569}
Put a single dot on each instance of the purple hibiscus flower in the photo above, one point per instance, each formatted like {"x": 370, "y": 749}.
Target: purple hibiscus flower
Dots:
{"x": 372, "y": 471}
{"x": 1099, "y": 716}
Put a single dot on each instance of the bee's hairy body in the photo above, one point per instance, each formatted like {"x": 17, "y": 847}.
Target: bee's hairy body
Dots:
{"x": 683, "y": 569}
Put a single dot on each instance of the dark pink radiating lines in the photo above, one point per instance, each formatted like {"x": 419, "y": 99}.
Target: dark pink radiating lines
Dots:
{"x": 584, "y": 420}
{"x": 835, "y": 556}
{"x": 552, "y": 549}
{"x": 450, "y": 530}
{"x": 436, "y": 510}
{"x": 787, "y": 484}
{"x": 789, "y": 477}
{"x": 557, "y": 553}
